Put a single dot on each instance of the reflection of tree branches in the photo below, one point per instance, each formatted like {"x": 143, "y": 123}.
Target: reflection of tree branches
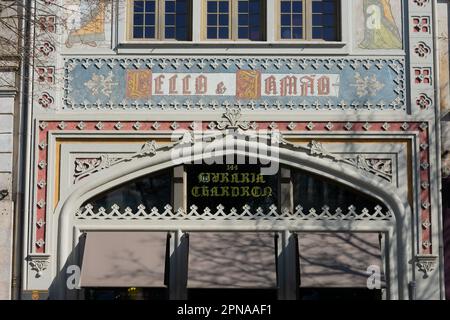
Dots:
{"x": 332, "y": 256}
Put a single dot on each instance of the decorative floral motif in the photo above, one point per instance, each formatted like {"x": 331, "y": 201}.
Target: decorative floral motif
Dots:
{"x": 233, "y": 121}
{"x": 423, "y": 101}
{"x": 46, "y": 48}
{"x": 422, "y": 76}
{"x": 421, "y": 24}
{"x": 426, "y": 263}
{"x": 422, "y": 50}
{"x": 367, "y": 85}
{"x": 47, "y": 24}
{"x": 39, "y": 265}
{"x": 46, "y": 100}
{"x": 88, "y": 166}
{"x": 45, "y": 75}
{"x": 101, "y": 84}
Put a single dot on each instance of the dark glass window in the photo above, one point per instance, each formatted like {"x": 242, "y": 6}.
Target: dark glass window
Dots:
{"x": 218, "y": 19}
{"x": 291, "y": 19}
{"x": 144, "y": 19}
{"x": 163, "y": 19}
{"x": 324, "y": 20}
{"x": 309, "y": 19}
{"x": 312, "y": 191}
{"x": 251, "y": 20}
{"x": 154, "y": 190}
{"x": 177, "y": 20}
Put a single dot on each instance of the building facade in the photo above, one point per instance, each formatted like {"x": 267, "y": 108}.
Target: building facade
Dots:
{"x": 287, "y": 147}
{"x": 10, "y": 59}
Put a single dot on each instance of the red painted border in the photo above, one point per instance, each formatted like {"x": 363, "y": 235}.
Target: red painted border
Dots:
{"x": 337, "y": 127}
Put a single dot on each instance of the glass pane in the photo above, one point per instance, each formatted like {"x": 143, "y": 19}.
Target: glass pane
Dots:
{"x": 212, "y": 19}
{"x": 217, "y": 19}
{"x": 149, "y": 32}
{"x": 243, "y": 33}
{"x": 312, "y": 191}
{"x": 297, "y": 33}
{"x": 212, "y": 33}
{"x": 138, "y": 19}
{"x": 170, "y": 32}
{"x": 150, "y": 6}
{"x": 286, "y": 33}
{"x": 325, "y": 19}
{"x": 212, "y": 185}
{"x": 151, "y": 191}
{"x": 170, "y": 6}
{"x": 251, "y": 15}
{"x": 138, "y": 32}
{"x": 297, "y": 6}
{"x": 139, "y": 6}
{"x": 144, "y": 19}
{"x": 291, "y": 19}
{"x": 223, "y": 33}
{"x": 223, "y": 19}
{"x": 177, "y": 20}
{"x": 150, "y": 19}
{"x": 286, "y": 6}
{"x": 285, "y": 19}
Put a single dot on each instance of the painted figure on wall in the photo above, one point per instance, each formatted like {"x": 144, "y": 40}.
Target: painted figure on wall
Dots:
{"x": 86, "y": 25}
{"x": 381, "y": 29}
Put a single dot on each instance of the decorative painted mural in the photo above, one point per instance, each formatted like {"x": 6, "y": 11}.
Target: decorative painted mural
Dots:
{"x": 378, "y": 24}
{"x": 86, "y": 22}
{"x": 250, "y": 83}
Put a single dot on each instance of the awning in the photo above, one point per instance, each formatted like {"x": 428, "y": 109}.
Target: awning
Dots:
{"x": 338, "y": 259}
{"x": 232, "y": 260}
{"x": 124, "y": 259}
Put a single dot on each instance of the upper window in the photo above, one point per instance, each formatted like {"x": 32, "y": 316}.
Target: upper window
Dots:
{"x": 235, "y": 20}
{"x": 308, "y": 20}
{"x": 162, "y": 20}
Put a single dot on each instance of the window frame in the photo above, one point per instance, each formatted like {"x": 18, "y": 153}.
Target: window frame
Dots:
{"x": 233, "y": 35}
{"x": 307, "y": 25}
{"x": 271, "y": 30}
{"x": 159, "y": 27}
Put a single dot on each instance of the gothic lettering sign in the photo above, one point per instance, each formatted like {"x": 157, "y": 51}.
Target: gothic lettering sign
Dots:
{"x": 197, "y": 84}
{"x": 230, "y": 186}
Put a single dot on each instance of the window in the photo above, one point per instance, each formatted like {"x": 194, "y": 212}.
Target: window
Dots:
{"x": 235, "y": 20}
{"x": 161, "y": 20}
{"x": 308, "y": 20}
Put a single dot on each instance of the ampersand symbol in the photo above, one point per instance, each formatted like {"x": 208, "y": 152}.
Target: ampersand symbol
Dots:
{"x": 221, "y": 88}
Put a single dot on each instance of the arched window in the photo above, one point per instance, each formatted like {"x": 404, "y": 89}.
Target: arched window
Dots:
{"x": 154, "y": 190}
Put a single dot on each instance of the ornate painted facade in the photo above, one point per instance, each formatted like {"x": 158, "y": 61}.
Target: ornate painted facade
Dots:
{"x": 363, "y": 111}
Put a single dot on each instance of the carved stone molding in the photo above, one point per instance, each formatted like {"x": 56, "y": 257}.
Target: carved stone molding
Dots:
{"x": 187, "y": 134}
{"x": 87, "y": 167}
{"x": 38, "y": 263}
{"x": 426, "y": 263}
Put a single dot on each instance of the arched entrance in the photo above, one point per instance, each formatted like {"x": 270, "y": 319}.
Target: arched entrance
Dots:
{"x": 286, "y": 221}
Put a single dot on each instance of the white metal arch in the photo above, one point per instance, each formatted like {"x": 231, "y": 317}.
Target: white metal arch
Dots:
{"x": 399, "y": 233}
